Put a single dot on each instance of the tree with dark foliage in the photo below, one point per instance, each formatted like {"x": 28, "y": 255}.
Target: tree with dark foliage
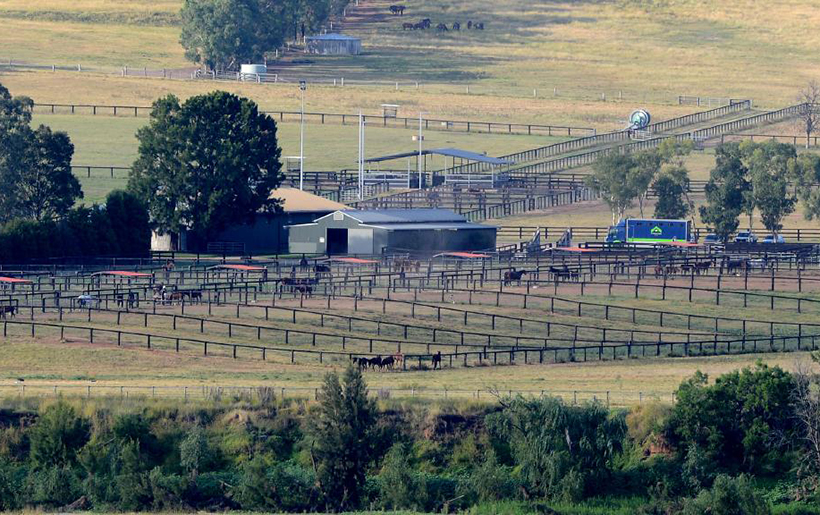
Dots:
{"x": 205, "y": 164}
{"x": 343, "y": 432}
{"x": 35, "y": 165}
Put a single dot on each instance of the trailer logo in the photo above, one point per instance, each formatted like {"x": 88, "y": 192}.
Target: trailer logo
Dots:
{"x": 656, "y": 231}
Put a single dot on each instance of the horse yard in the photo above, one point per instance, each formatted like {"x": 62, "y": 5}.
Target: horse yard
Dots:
{"x": 610, "y": 325}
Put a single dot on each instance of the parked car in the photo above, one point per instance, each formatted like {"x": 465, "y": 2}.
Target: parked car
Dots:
{"x": 745, "y": 237}
{"x": 771, "y": 238}
{"x": 712, "y": 239}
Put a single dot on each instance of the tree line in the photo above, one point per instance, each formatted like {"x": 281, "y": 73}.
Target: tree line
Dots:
{"x": 743, "y": 444}
{"x": 203, "y": 165}
{"x": 764, "y": 178}
{"x": 222, "y": 34}
{"x": 38, "y": 216}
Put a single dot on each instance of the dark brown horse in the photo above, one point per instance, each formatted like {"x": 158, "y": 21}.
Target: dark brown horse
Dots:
{"x": 437, "y": 360}
{"x": 513, "y": 276}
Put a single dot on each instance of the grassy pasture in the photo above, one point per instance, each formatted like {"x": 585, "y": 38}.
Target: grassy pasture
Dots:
{"x": 80, "y": 363}
{"x": 649, "y": 51}
{"x": 434, "y": 101}
{"x": 111, "y": 141}
{"x": 104, "y": 364}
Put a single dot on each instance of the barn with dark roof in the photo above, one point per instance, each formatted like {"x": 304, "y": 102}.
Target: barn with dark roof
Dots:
{"x": 418, "y": 231}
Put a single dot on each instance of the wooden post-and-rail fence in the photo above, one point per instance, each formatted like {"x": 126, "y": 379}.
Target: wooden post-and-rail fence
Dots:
{"x": 598, "y": 352}
{"x": 433, "y": 124}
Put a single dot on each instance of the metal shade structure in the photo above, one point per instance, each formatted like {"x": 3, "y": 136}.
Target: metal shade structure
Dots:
{"x": 333, "y": 44}
{"x": 496, "y": 172}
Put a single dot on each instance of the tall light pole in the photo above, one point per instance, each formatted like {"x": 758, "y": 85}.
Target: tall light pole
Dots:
{"x": 421, "y": 139}
{"x": 361, "y": 156}
{"x": 302, "y": 88}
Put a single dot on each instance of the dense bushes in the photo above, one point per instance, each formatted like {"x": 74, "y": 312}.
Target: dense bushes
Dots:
{"x": 345, "y": 453}
{"x": 119, "y": 228}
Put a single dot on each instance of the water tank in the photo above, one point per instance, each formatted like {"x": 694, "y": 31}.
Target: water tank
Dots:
{"x": 253, "y": 69}
{"x": 253, "y": 72}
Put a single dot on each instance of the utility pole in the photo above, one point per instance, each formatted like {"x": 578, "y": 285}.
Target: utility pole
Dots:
{"x": 302, "y": 88}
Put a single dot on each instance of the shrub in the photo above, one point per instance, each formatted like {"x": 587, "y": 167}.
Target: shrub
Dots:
{"x": 194, "y": 452}
{"x": 491, "y": 481}
{"x": 562, "y": 451}
{"x": 274, "y": 487}
{"x": 731, "y": 422}
{"x": 57, "y": 436}
{"x": 728, "y": 496}
{"x": 53, "y": 486}
{"x": 400, "y": 486}
{"x": 12, "y": 477}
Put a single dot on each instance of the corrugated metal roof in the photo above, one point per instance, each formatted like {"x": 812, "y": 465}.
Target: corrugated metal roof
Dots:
{"x": 331, "y": 37}
{"x": 403, "y": 216}
{"x": 452, "y": 226}
{"x": 298, "y": 201}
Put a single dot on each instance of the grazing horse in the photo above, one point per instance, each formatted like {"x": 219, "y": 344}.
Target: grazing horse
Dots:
{"x": 375, "y": 362}
{"x": 441, "y": 27}
{"x": 397, "y": 9}
{"x": 456, "y": 26}
{"x": 511, "y": 276}
{"x": 8, "y": 310}
{"x": 437, "y": 360}
{"x": 426, "y": 23}
{"x": 407, "y": 25}
{"x": 304, "y": 289}
{"x": 735, "y": 265}
{"x": 565, "y": 273}
{"x": 360, "y": 362}
{"x": 479, "y": 25}
{"x": 177, "y": 296}
{"x": 388, "y": 362}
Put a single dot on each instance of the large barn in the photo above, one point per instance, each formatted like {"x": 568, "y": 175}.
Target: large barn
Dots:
{"x": 423, "y": 231}
{"x": 266, "y": 233}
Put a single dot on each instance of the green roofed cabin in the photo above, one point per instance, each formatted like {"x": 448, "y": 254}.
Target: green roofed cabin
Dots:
{"x": 376, "y": 232}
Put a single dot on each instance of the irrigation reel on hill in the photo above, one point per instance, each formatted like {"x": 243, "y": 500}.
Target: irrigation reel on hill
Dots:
{"x": 638, "y": 122}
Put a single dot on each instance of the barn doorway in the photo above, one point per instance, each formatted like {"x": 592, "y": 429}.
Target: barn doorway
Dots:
{"x": 337, "y": 241}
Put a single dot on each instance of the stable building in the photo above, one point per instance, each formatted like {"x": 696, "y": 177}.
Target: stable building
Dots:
{"x": 263, "y": 233}
{"x": 376, "y": 232}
